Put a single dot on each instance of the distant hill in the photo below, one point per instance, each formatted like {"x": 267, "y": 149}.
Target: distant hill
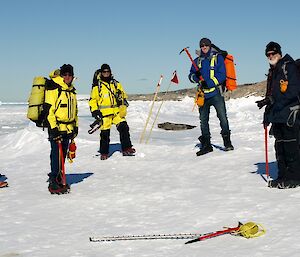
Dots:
{"x": 256, "y": 89}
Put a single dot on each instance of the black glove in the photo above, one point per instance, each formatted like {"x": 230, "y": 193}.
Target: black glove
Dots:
{"x": 266, "y": 123}
{"x": 264, "y": 102}
{"x": 198, "y": 74}
{"x": 54, "y": 134}
{"x": 74, "y": 133}
{"x": 204, "y": 84}
{"x": 97, "y": 115}
{"x": 126, "y": 102}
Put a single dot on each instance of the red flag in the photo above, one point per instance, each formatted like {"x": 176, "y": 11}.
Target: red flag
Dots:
{"x": 175, "y": 78}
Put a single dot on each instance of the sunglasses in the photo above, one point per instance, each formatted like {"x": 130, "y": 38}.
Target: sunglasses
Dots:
{"x": 66, "y": 75}
{"x": 204, "y": 45}
{"x": 271, "y": 54}
{"x": 106, "y": 71}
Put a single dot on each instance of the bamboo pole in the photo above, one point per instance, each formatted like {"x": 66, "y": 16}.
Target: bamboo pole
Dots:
{"x": 156, "y": 116}
{"x": 151, "y": 108}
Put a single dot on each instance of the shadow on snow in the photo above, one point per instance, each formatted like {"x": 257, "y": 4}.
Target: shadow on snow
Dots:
{"x": 261, "y": 169}
{"x": 77, "y": 178}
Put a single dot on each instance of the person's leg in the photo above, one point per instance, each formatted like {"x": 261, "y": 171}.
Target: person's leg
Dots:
{"x": 124, "y": 136}
{"x": 105, "y": 136}
{"x": 204, "y": 118}
{"x": 219, "y": 104}
{"x": 279, "y": 150}
{"x": 291, "y": 151}
{"x": 104, "y": 141}
{"x": 54, "y": 160}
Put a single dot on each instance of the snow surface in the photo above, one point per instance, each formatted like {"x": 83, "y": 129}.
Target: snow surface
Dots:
{"x": 164, "y": 189}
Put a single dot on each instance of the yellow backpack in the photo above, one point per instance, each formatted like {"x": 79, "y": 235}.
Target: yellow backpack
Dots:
{"x": 35, "y": 111}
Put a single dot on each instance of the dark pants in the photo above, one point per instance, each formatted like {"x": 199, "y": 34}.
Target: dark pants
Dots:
{"x": 287, "y": 150}
{"x": 218, "y": 102}
{"x": 124, "y": 138}
{"x": 54, "y": 157}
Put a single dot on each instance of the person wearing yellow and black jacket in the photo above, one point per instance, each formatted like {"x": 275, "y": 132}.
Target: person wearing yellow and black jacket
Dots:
{"x": 108, "y": 103}
{"x": 62, "y": 118}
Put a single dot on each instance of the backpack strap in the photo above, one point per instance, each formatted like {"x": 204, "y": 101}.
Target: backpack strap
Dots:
{"x": 285, "y": 70}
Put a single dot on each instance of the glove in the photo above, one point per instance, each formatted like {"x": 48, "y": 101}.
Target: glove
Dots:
{"x": 126, "y": 102}
{"x": 204, "y": 84}
{"x": 266, "y": 123}
{"x": 74, "y": 133}
{"x": 264, "y": 102}
{"x": 198, "y": 73}
{"x": 54, "y": 134}
{"x": 97, "y": 115}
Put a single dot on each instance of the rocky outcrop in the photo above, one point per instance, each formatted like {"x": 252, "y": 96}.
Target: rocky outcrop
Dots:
{"x": 255, "y": 89}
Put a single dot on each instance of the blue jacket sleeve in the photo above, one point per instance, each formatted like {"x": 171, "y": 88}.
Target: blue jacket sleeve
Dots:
{"x": 192, "y": 76}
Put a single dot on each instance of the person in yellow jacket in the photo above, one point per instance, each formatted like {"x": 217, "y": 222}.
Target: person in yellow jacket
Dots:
{"x": 62, "y": 118}
{"x": 108, "y": 105}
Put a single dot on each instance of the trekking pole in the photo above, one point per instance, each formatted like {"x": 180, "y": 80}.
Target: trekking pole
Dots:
{"x": 266, "y": 153}
{"x": 150, "y": 111}
{"x": 62, "y": 163}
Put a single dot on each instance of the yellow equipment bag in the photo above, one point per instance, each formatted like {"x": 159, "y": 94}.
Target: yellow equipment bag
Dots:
{"x": 200, "y": 98}
{"x": 251, "y": 230}
{"x": 36, "y": 101}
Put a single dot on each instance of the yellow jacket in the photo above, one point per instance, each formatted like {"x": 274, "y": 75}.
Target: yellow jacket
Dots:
{"x": 107, "y": 97}
{"x": 61, "y": 102}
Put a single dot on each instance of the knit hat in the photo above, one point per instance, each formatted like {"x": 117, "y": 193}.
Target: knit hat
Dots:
{"x": 205, "y": 41}
{"x": 105, "y": 67}
{"x": 67, "y": 68}
{"x": 273, "y": 47}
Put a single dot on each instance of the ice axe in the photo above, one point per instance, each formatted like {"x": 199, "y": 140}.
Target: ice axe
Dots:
{"x": 193, "y": 62}
{"x": 196, "y": 67}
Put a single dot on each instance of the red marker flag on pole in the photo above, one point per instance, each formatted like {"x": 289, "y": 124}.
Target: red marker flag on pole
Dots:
{"x": 175, "y": 78}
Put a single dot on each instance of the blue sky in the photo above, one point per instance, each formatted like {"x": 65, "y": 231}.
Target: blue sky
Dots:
{"x": 139, "y": 39}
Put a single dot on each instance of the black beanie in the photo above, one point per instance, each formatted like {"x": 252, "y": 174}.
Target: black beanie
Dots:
{"x": 105, "y": 67}
{"x": 205, "y": 41}
{"x": 67, "y": 68}
{"x": 273, "y": 47}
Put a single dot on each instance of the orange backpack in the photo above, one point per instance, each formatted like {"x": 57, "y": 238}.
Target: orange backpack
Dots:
{"x": 230, "y": 83}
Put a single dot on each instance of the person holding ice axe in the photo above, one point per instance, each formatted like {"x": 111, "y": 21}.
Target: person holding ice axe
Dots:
{"x": 208, "y": 71}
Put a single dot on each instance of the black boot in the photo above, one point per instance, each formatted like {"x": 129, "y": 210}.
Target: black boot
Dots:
{"x": 58, "y": 189}
{"x": 55, "y": 187}
{"x": 227, "y": 142}
{"x": 205, "y": 146}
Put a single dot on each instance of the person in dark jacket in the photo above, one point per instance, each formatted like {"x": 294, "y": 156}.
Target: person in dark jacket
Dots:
{"x": 213, "y": 75}
{"x": 282, "y": 105}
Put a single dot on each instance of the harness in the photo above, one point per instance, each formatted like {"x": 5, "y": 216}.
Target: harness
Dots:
{"x": 116, "y": 95}
{"x": 213, "y": 61}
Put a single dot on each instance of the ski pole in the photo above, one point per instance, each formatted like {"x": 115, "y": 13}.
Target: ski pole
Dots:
{"x": 62, "y": 162}
{"x": 214, "y": 234}
{"x": 150, "y": 111}
{"x": 266, "y": 153}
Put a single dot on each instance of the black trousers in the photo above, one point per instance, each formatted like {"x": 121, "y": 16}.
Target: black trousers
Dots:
{"x": 54, "y": 156}
{"x": 124, "y": 138}
{"x": 287, "y": 150}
